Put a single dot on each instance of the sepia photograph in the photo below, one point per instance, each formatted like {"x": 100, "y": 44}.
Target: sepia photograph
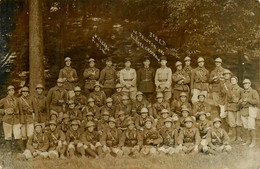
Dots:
{"x": 129, "y": 84}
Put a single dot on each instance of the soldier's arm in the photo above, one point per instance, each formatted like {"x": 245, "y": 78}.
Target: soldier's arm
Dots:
{"x": 61, "y": 74}
{"x": 176, "y": 78}
{"x": 226, "y": 139}
{"x": 86, "y": 73}
{"x": 197, "y": 136}
{"x": 2, "y": 101}
{"x": 212, "y": 74}
{"x": 208, "y": 137}
{"x": 21, "y": 111}
{"x": 159, "y": 139}
{"x": 254, "y": 100}
{"x": 121, "y": 78}
{"x": 122, "y": 140}
{"x": 180, "y": 137}
{"x": 75, "y": 75}
{"x": 62, "y": 135}
{"x": 45, "y": 144}
{"x": 48, "y": 100}
{"x": 102, "y": 76}
{"x": 157, "y": 83}
{"x": 138, "y": 79}
{"x": 187, "y": 78}
{"x": 192, "y": 79}
{"x": 96, "y": 76}
{"x": 169, "y": 79}
{"x": 29, "y": 145}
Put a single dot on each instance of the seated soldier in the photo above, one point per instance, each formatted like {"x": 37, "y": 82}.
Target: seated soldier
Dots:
{"x": 201, "y": 105}
{"x": 103, "y": 123}
{"x": 131, "y": 140}
{"x": 89, "y": 117}
{"x": 91, "y": 107}
{"x": 189, "y": 137}
{"x": 74, "y": 112}
{"x": 176, "y": 105}
{"x": 151, "y": 138}
{"x": 121, "y": 121}
{"x": 159, "y": 105}
{"x": 139, "y": 103}
{"x": 90, "y": 139}
{"x": 110, "y": 139}
{"x": 169, "y": 135}
{"x": 73, "y": 139}
{"x": 217, "y": 138}
{"x": 117, "y": 96}
{"x": 185, "y": 112}
{"x": 160, "y": 122}
{"x": 140, "y": 120}
{"x": 57, "y": 141}
{"x": 109, "y": 106}
{"x": 98, "y": 95}
{"x": 65, "y": 124}
{"x": 37, "y": 144}
{"x": 125, "y": 106}
{"x": 54, "y": 116}
{"x": 79, "y": 99}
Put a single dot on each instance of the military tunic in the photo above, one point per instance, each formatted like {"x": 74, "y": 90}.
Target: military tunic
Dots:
{"x": 91, "y": 76}
{"x": 70, "y": 76}
{"x": 145, "y": 80}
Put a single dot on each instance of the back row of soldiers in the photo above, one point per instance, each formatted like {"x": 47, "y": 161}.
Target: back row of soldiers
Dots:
{"x": 184, "y": 118}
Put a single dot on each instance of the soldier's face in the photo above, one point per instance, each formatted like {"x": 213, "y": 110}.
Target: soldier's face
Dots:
{"x": 109, "y": 63}
{"x": 11, "y": 92}
{"x": 59, "y": 84}
{"x": 160, "y": 99}
{"x": 187, "y": 63}
{"x": 183, "y": 98}
{"x": 38, "y": 129}
{"x": 125, "y": 102}
{"x": 97, "y": 88}
{"x": 66, "y": 120}
{"x": 91, "y": 128}
{"x": 202, "y": 117}
{"x": 25, "y": 94}
{"x": 119, "y": 89}
{"x": 53, "y": 117}
{"x": 227, "y": 76}
{"x": 217, "y": 124}
{"x": 109, "y": 104}
{"x": 77, "y": 93}
{"x": 168, "y": 124}
{"x": 218, "y": 64}
{"x": 148, "y": 124}
{"x": 68, "y": 63}
{"x": 165, "y": 115}
{"x": 52, "y": 127}
{"x": 90, "y": 118}
{"x": 122, "y": 117}
{"x": 74, "y": 127}
{"x": 201, "y": 98}
{"x": 127, "y": 64}
{"x": 71, "y": 106}
{"x": 91, "y": 104}
{"x": 144, "y": 115}
{"x": 188, "y": 124}
{"x": 179, "y": 67}
{"x": 91, "y": 64}
{"x": 246, "y": 85}
{"x": 139, "y": 97}
{"x": 233, "y": 81}
{"x": 146, "y": 63}
{"x": 163, "y": 62}
{"x": 105, "y": 117}
{"x": 201, "y": 64}
{"x": 185, "y": 114}
{"x": 131, "y": 126}
{"x": 39, "y": 90}
{"x": 111, "y": 124}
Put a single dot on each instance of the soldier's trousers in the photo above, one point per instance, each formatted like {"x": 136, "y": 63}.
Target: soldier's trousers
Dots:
{"x": 10, "y": 130}
{"x": 28, "y": 155}
{"x": 27, "y": 130}
{"x": 128, "y": 150}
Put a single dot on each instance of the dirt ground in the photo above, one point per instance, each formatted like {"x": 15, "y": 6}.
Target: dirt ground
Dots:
{"x": 241, "y": 157}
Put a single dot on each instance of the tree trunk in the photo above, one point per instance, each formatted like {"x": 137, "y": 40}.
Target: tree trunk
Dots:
{"x": 36, "y": 68}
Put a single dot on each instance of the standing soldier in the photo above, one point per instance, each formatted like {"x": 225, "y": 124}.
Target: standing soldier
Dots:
{"x": 73, "y": 139}
{"x": 131, "y": 140}
{"x": 128, "y": 80}
{"x": 27, "y": 113}
{"x": 145, "y": 79}
{"x": 159, "y": 105}
{"x": 199, "y": 80}
{"x": 117, "y": 96}
{"x": 11, "y": 120}
{"x": 40, "y": 106}
{"x": 181, "y": 80}
{"x": 79, "y": 99}
{"x": 91, "y": 76}
{"x": 163, "y": 79}
{"x": 69, "y": 76}
{"x": 57, "y": 98}
{"x": 177, "y": 105}
{"x": 140, "y": 103}
{"x": 98, "y": 95}
{"x": 225, "y": 86}
{"x": 249, "y": 102}
{"x": 215, "y": 80}
{"x": 108, "y": 78}
{"x": 187, "y": 68}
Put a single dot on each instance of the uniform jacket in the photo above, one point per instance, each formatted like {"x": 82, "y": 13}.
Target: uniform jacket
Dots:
{"x": 131, "y": 138}
{"x": 200, "y": 78}
{"x": 108, "y": 77}
{"x": 181, "y": 80}
{"x": 217, "y": 137}
{"x": 26, "y": 109}
{"x": 145, "y": 80}
{"x": 191, "y": 135}
{"x": 111, "y": 137}
{"x": 70, "y": 75}
{"x": 40, "y": 108}
{"x": 12, "y": 116}
{"x": 90, "y": 75}
{"x": 38, "y": 141}
{"x": 99, "y": 97}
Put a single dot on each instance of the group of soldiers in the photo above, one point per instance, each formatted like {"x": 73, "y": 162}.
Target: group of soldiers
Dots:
{"x": 132, "y": 113}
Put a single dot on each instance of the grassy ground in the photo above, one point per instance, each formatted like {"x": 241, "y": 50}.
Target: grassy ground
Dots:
{"x": 241, "y": 157}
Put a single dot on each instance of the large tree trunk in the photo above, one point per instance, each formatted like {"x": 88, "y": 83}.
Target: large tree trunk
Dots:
{"x": 36, "y": 67}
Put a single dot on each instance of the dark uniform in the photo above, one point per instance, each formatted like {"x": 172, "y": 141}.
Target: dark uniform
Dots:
{"x": 91, "y": 76}
{"x": 108, "y": 79}
{"x": 40, "y": 108}
{"x": 145, "y": 81}
{"x": 70, "y": 77}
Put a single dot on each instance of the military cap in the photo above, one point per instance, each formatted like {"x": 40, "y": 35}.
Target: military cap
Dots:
{"x": 178, "y": 63}
{"x": 148, "y": 119}
{"x": 67, "y": 59}
{"x": 201, "y": 94}
{"x": 184, "y": 108}
{"x": 112, "y": 119}
{"x": 39, "y": 86}
{"x": 226, "y": 71}
{"x": 10, "y": 87}
{"x": 90, "y": 123}
{"x": 218, "y": 60}
{"x": 235, "y": 77}
{"x": 167, "y": 120}
{"x": 25, "y": 89}
{"x": 77, "y": 89}
{"x": 65, "y": 116}
{"x": 144, "y": 110}
{"x": 118, "y": 85}
{"x": 188, "y": 119}
{"x": 53, "y": 122}
{"x": 97, "y": 84}
{"x": 60, "y": 80}
{"x": 105, "y": 113}
{"x": 187, "y": 58}
{"x": 175, "y": 117}
{"x": 109, "y": 100}
{"x": 200, "y": 59}
{"x": 91, "y": 60}
{"x": 121, "y": 113}
{"x": 183, "y": 94}
{"x": 216, "y": 119}
{"x": 139, "y": 93}
{"x": 159, "y": 95}
{"x": 52, "y": 112}
{"x": 201, "y": 113}
{"x": 163, "y": 58}
{"x": 71, "y": 102}
{"x": 75, "y": 122}
{"x": 37, "y": 124}
{"x": 130, "y": 122}
{"x": 90, "y": 114}
{"x": 128, "y": 59}
{"x": 246, "y": 81}
{"x": 164, "y": 111}
{"x": 91, "y": 100}
{"x": 125, "y": 97}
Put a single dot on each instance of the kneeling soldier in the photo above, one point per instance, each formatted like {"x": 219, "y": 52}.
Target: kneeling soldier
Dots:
{"x": 90, "y": 139}
{"x": 37, "y": 144}
{"x": 57, "y": 141}
{"x": 218, "y": 139}
{"x": 73, "y": 139}
{"x": 189, "y": 137}
{"x": 151, "y": 137}
{"x": 169, "y": 135}
{"x": 131, "y": 140}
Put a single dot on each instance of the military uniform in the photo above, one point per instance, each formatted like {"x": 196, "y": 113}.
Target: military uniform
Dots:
{"x": 99, "y": 98}
{"x": 128, "y": 81}
{"x": 145, "y": 81}
{"x": 75, "y": 114}
{"x": 95, "y": 110}
{"x": 56, "y": 99}
{"x": 127, "y": 108}
{"x": 177, "y": 105}
{"x": 73, "y": 140}
{"x": 163, "y": 81}
{"x": 188, "y": 70}
{"x": 79, "y": 100}
{"x": 111, "y": 110}
{"x": 70, "y": 77}
{"x": 158, "y": 107}
{"x": 117, "y": 97}
{"x": 40, "y": 108}
{"x": 91, "y": 76}
{"x": 108, "y": 79}
{"x": 138, "y": 105}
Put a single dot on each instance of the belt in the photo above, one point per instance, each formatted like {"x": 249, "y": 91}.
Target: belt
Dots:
{"x": 146, "y": 80}
{"x": 128, "y": 80}
{"x": 87, "y": 80}
{"x": 163, "y": 80}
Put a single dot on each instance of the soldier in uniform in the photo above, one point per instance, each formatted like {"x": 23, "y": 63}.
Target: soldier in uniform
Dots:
{"x": 27, "y": 113}
{"x": 73, "y": 139}
{"x": 218, "y": 139}
{"x": 65, "y": 124}
{"x": 121, "y": 121}
{"x": 187, "y": 68}
{"x": 37, "y": 144}
{"x": 185, "y": 112}
{"x": 131, "y": 140}
{"x": 181, "y": 80}
{"x": 91, "y": 107}
{"x": 57, "y": 98}
{"x": 69, "y": 76}
{"x": 40, "y": 106}
{"x": 159, "y": 106}
{"x": 90, "y": 139}
{"x": 163, "y": 79}
{"x": 98, "y": 95}
{"x": 170, "y": 135}
{"x": 57, "y": 141}
{"x": 151, "y": 138}
{"x": 140, "y": 103}
{"x": 140, "y": 120}
{"x": 145, "y": 79}
{"x": 103, "y": 123}
{"x": 199, "y": 80}
{"x": 160, "y": 121}
{"x": 109, "y": 106}
{"x": 248, "y": 104}
{"x": 125, "y": 106}
{"x": 201, "y": 105}
{"x": 89, "y": 117}
{"x": 189, "y": 137}
{"x": 117, "y": 96}
{"x": 73, "y": 112}
{"x": 176, "y": 105}
{"x": 91, "y": 76}
{"x": 11, "y": 120}
{"x": 79, "y": 99}
{"x": 110, "y": 139}
{"x": 128, "y": 80}
{"x": 108, "y": 78}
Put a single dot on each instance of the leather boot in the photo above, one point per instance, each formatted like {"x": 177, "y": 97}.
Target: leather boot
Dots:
{"x": 234, "y": 133}
{"x": 91, "y": 153}
{"x": 248, "y": 138}
{"x": 20, "y": 144}
{"x": 8, "y": 146}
